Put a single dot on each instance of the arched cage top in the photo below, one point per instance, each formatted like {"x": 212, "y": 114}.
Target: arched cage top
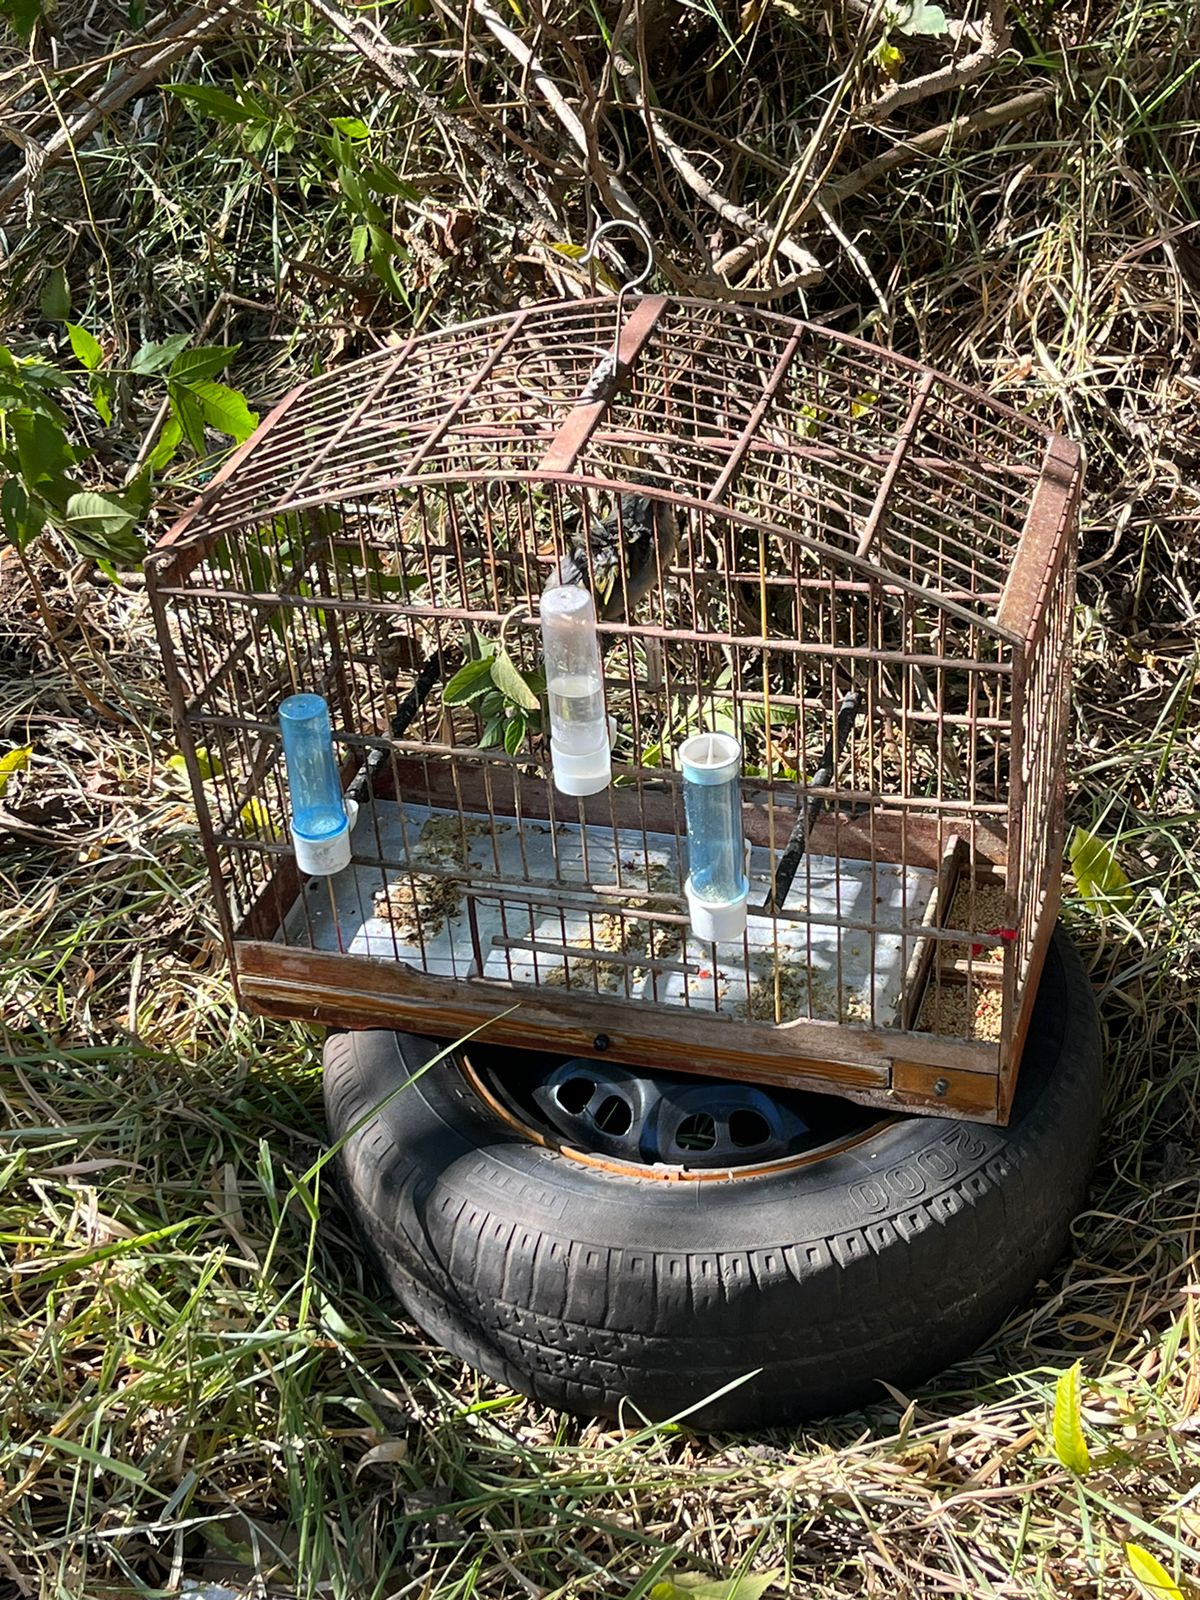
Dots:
{"x": 877, "y": 467}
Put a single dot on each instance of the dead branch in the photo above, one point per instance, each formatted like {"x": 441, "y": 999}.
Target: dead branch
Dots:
{"x": 809, "y": 270}
{"x": 614, "y": 191}
{"x": 174, "y": 39}
{"x": 993, "y": 41}
{"x": 932, "y": 141}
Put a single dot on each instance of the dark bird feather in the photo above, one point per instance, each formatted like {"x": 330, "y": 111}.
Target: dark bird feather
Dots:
{"x": 622, "y": 555}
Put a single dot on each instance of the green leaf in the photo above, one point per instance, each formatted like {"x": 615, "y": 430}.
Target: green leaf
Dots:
{"x": 514, "y": 734}
{"x": 510, "y": 682}
{"x": 1150, "y": 1575}
{"x": 13, "y": 761}
{"x": 168, "y": 442}
{"x": 102, "y": 389}
{"x": 188, "y": 414}
{"x": 215, "y": 102}
{"x": 1069, "y": 1444}
{"x": 225, "y": 409}
{"x": 203, "y": 362}
{"x": 56, "y": 296}
{"x": 470, "y": 680}
{"x": 101, "y": 526}
{"x": 695, "y": 1586}
{"x": 154, "y": 357}
{"x": 918, "y": 18}
{"x": 84, "y": 346}
{"x": 1098, "y": 874}
{"x": 494, "y": 731}
{"x": 22, "y": 518}
{"x": 45, "y": 455}
{"x": 352, "y": 127}
{"x": 22, "y": 16}
{"x": 862, "y": 403}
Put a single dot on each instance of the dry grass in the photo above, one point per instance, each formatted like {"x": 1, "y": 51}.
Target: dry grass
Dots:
{"x": 196, "y": 1377}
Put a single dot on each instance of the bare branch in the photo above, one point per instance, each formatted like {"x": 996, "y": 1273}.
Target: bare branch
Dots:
{"x": 993, "y": 41}
{"x": 809, "y": 269}
{"x": 609, "y": 185}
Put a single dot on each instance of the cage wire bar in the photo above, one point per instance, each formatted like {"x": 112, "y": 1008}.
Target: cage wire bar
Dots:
{"x": 846, "y": 523}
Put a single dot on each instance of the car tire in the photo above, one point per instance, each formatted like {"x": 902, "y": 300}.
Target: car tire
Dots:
{"x": 745, "y": 1301}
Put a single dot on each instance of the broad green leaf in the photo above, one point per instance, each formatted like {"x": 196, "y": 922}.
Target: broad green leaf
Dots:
{"x": 45, "y": 455}
{"x": 862, "y": 403}
{"x": 188, "y": 414}
{"x": 100, "y": 526}
{"x": 1069, "y": 1444}
{"x": 210, "y": 765}
{"x": 214, "y": 101}
{"x": 203, "y": 362}
{"x": 257, "y": 820}
{"x": 13, "y": 761}
{"x": 225, "y": 409}
{"x": 56, "y": 296}
{"x": 494, "y": 731}
{"x": 1151, "y": 1575}
{"x": 470, "y": 680}
{"x": 100, "y": 511}
{"x": 510, "y": 682}
{"x": 154, "y": 357}
{"x": 85, "y": 347}
{"x": 168, "y": 442}
{"x": 919, "y": 18}
{"x": 22, "y": 518}
{"x": 352, "y": 127}
{"x": 1098, "y": 874}
{"x": 22, "y": 16}
{"x": 514, "y": 735}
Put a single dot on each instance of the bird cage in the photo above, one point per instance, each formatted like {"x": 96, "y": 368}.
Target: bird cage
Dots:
{"x": 855, "y": 570}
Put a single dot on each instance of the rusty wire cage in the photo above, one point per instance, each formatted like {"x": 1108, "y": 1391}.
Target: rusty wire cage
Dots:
{"x": 847, "y": 522}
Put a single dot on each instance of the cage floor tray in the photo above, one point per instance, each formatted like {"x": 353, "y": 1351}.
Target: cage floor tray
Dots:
{"x": 513, "y": 920}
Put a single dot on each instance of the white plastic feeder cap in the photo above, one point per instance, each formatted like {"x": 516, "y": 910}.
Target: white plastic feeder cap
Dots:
{"x": 717, "y": 921}
{"x": 321, "y": 858}
{"x": 583, "y": 772}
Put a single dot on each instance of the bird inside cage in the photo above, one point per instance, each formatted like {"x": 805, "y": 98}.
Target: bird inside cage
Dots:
{"x": 618, "y": 557}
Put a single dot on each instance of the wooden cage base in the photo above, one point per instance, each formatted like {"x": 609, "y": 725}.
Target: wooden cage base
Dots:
{"x": 297, "y": 956}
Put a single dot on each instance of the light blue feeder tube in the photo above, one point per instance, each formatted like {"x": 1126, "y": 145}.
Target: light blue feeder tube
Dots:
{"x": 321, "y": 817}
{"x": 717, "y": 888}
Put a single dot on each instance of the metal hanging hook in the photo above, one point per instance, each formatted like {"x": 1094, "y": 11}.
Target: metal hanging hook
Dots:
{"x": 589, "y": 254}
{"x": 604, "y": 376}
